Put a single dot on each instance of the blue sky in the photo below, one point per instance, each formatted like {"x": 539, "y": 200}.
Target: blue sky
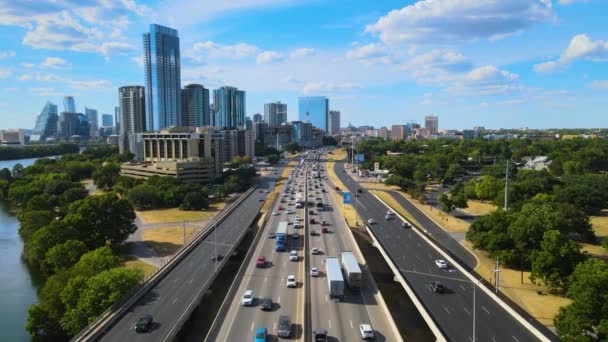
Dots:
{"x": 494, "y": 63}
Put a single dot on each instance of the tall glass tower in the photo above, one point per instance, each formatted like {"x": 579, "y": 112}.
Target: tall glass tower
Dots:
{"x": 46, "y": 122}
{"x": 195, "y": 106}
{"x": 314, "y": 109}
{"x": 163, "y": 78}
{"x": 69, "y": 105}
{"x": 229, "y": 104}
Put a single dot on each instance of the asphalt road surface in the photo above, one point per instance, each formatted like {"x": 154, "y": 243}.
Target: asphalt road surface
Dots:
{"x": 168, "y": 300}
{"x": 452, "y": 311}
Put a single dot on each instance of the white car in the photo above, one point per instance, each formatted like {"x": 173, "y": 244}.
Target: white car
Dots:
{"x": 390, "y": 213}
{"x": 297, "y": 218}
{"x": 289, "y": 211}
{"x": 247, "y": 299}
{"x": 291, "y": 280}
{"x": 293, "y": 256}
{"x": 366, "y": 331}
{"x": 314, "y": 251}
{"x": 314, "y": 272}
{"x": 441, "y": 263}
{"x": 275, "y": 213}
{"x": 371, "y": 221}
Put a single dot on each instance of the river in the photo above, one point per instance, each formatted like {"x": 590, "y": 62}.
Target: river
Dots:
{"x": 17, "y": 284}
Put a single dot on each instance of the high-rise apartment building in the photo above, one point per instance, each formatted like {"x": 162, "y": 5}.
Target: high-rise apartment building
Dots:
{"x": 92, "y": 117}
{"x": 333, "y": 122}
{"x": 398, "y": 132}
{"x": 431, "y": 122}
{"x": 195, "y": 106}
{"x": 275, "y": 113}
{"x": 258, "y": 118}
{"x": 116, "y": 120}
{"x": 229, "y": 105}
{"x": 302, "y": 133}
{"x": 69, "y": 105}
{"x": 314, "y": 109}
{"x": 163, "y": 78}
{"x": 106, "y": 120}
{"x": 132, "y": 116}
{"x": 46, "y": 122}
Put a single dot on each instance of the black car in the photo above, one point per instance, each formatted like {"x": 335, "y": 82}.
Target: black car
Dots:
{"x": 266, "y": 304}
{"x": 437, "y": 287}
{"x": 319, "y": 335}
{"x": 143, "y": 323}
{"x": 218, "y": 257}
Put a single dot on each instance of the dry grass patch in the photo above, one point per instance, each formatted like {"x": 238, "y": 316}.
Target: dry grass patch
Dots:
{"x": 479, "y": 208}
{"x": 443, "y": 220}
{"x": 600, "y": 224}
{"x": 176, "y": 215}
{"x": 167, "y": 240}
{"x": 543, "y": 306}
{"x": 379, "y": 186}
{"x": 347, "y": 210}
{"x": 136, "y": 264}
{"x": 595, "y": 250}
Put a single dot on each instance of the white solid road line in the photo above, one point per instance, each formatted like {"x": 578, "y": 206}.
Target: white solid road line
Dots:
{"x": 175, "y": 300}
{"x": 330, "y": 324}
{"x": 351, "y": 324}
{"x": 486, "y": 310}
{"x": 252, "y": 325}
{"x": 515, "y": 338}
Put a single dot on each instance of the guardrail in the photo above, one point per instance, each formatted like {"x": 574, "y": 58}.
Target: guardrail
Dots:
{"x": 114, "y": 312}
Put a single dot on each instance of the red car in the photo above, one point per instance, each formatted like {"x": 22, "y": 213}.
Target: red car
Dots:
{"x": 324, "y": 230}
{"x": 261, "y": 261}
{"x": 281, "y": 207}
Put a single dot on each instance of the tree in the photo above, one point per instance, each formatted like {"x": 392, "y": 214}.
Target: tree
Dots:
{"x": 452, "y": 201}
{"x": 195, "y": 201}
{"x": 17, "y": 170}
{"x": 293, "y": 147}
{"x": 453, "y": 172}
{"x": 41, "y": 326}
{"x": 329, "y": 141}
{"x": 144, "y": 197}
{"x": 587, "y": 315}
{"x": 273, "y": 159}
{"x": 63, "y": 256}
{"x": 95, "y": 262}
{"x": 106, "y": 176}
{"x": 487, "y": 188}
{"x": 45, "y": 238}
{"x": 102, "y": 219}
{"x": 555, "y": 261}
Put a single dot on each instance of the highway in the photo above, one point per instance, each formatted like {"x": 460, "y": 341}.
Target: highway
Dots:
{"x": 452, "y": 311}
{"x": 168, "y": 300}
{"x": 340, "y": 319}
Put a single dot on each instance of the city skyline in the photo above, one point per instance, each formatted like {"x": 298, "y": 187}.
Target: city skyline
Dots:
{"x": 539, "y": 72}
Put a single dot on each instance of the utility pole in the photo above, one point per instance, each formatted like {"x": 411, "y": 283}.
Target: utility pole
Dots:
{"x": 507, "y": 187}
{"x": 497, "y": 276}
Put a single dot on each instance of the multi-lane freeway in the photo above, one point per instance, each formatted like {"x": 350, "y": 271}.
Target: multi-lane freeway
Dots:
{"x": 168, "y": 300}
{"x": 452, "y": 311}
{"x": 341, "y": 319}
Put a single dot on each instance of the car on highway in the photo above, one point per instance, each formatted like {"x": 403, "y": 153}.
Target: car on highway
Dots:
{"x": 313, "y": 233}
{"x": 144, "y": 323}
{"x": 275, "y": 213}
{"x": 314, "y": 271}
{"x": 312, "y": 221}
{"x": 260, "y": 335}
{"x": 291, "y": 280}
{"x": 367, "y": 333}
{"x": 324, "y": 223}
{"x": 371, "y": 221}
{"x": 271, "y": 235}
{"x": 405, "y": 225}
{"x": 295, "y": 236}
{"x": 319, "y": 335}
{"x": 324, "y": 230}
{"x": 315, "y": 251}
{"x": 260, "y": 262}
{"x": 441, "y": 263}
{"x": 289, "y": 211}
{"x": 281, "y": 207}
{"x": 217, "y": 257}
{"x": 387, "y": 217}
{"x": 266, "y": 304}
{"x": 437, "y": 287}
{"x": 293, "y": 256}
{"x": 284, "y": 326}
{"x": 247, "y": 299}
{"x": 297, "y": 218}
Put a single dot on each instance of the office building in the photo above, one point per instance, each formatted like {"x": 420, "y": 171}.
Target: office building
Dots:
{"x": 278, "y": 137}
{"x": 248, "y": 124}
{"x": 314, "y": 109}
{"x": 84, "y": 126}
{"x": 398, "y": 132}
{"x": 384, "y": 133}
{"x": 46, "y": 123}
{"x": 236, "y": 142}
{"x": 302, "y": 133}
{"x": 12, "y": 137}
{"x": 195, "y": 106}
{"x": 258, "y": 118}
{"x": 229, "y": 105}
{"x": 116, "y": 120}
{"x": 106, "y": 120}
{"x": 275, "y": 113}
{"x": 431, "y": 122}
{"x": 334, "y": 122}
{"x": 92, "y": 117}
{"x": 132, "y": 118}
{"x": 163, "y": 78}
{"x": 68, "y": 126}
{"x": 69, "y": 104}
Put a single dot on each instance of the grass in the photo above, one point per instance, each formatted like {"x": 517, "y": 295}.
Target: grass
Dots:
{"x": 479, "y": 208}
{"x": 543, "y": 306}
{"x": 443, "y": 220}
{"x": 167, "y": 240}
{"x": 136, "y": 264}
{"x": 600, "y": 224}
{"x": 347, "y": 210}
{"x": 379, "y": 186}
{"x": 176, "y": 215}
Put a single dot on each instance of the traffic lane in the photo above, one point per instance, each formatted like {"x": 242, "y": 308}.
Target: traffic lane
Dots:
{"x": 501, "y": 325}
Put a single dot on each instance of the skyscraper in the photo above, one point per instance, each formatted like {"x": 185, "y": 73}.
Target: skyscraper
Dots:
{"x": 398, "y": 132}
{"x": 92, "y": 116}
{"x": 163, "y": 79}
{"x": 46, "y": 122}
{"x": 314, "y": 109}
{"x": 132, "y": 115}
{"x": 229, "y": 105}
{"x": 116, "y": 120}
{"x": 334, "y": 122}
{"x": 106, "y": 120}
{"x": 258, "y": 118}
{"x": 69, "y": 125}
{"x": 69, "y": 105}
{"x": 431, "y": 122}
{"x": 275, "y": 113}
{"x": 195, "y": 106}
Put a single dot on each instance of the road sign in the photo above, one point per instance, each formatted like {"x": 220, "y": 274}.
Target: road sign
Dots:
{"x": 346, "y": 198}
{"x": 359, "y": 158}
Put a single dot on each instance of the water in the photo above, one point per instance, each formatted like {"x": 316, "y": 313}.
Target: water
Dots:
{"x": 17, "y": 284}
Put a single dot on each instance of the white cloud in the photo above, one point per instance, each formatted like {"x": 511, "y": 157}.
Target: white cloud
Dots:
{"x": 7, "y": 54}
{"x": 437, "y": 66}
{"x": 599, "y": 84}
{"x": 55, "y": 63}
{"x": 452, "y": 21}
{"x": 269, "y": 57}
{"x": 570, "y": 2}
{"x": 46, "y": 91}
{"x": 4, "y": 73}
{"x": 485, "y": 80}
{"x": 312, "y": 87}
{"x": 370, "y": 53}
{"x": 302, "y": 52}
{"x": 28, "y": 65}
{"x": 580, "y": 47}
{"x": 139, "y": 60}
{"x": 25, "y": 77}
{"x": 86, "y": 85}
{"x": 203, "y": 51}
